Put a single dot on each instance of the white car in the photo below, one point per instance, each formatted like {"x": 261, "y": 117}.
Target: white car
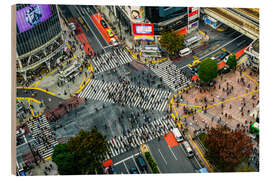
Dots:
{"x": 114, "y": 42}
{"x": 226, "y": 58}
{"x": 72, "y": 26}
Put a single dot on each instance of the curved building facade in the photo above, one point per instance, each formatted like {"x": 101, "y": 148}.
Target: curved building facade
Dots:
{"x": 39, "y": 40}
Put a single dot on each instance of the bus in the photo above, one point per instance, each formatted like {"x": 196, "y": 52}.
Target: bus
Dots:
{"x": 194, "y": 40}
{"x": 150, "y": 49}
{"x": 188, "y": 149}
{"x": 254, "y": 128}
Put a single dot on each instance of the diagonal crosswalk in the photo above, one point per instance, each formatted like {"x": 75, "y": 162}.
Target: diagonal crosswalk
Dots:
{"x": 111, "y": 60}
{"x": 173, "y": 76}
{"x": 126, "y": 94}
{"x": 139, "y": 136}
{"x": 44, "y": 138}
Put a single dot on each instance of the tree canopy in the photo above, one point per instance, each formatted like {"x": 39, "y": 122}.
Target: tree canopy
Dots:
{"x": 172, "y": 42}
{"x": 232, "y": 61}
{"x": 86, "y": 152}
{"x": 227, "y": 148}
{"x": 208, "y": 70}
{"x": 64, "y": 160}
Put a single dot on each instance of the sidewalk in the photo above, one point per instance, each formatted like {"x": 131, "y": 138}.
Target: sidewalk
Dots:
{"x": 50, "y": 81}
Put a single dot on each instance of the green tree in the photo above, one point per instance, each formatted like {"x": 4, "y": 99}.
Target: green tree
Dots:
{"x": 64, "y": 160}
{"x": 172, "y": 42}
{"x": 227, "y": 148}
{"x": 208, "y": 70}
{"x": 82, "y": 154}
{"x": 89, "y": 149}
{"x": 232, "y": 61}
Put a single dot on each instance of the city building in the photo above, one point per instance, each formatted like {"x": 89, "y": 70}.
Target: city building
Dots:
{"x": 143, "y": 25}
{"x": 253, "y": 53}
{"x": 39, "y": 39}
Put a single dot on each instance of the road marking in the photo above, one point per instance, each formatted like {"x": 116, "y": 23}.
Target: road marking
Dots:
{"x": 162, "y": 156}
{"x": 242, "y": 61}
{"x": 220, "y": 47}
{"x": 198, "y": 162}
{"x": 123, "y": 160}
{"x": 126, "y": 167}
{"x": 221, "y": 102}
{"x": 32, "y": 99}
{"x": 182, "y": 104}
{"x": 201, "y": 153}
{"x": 172, "y": 153}
{"x": 43, "y": 90}
{"x": 136, "y": 164}
{"x": 91, "y": 29}
{"x": 251, "y": 78}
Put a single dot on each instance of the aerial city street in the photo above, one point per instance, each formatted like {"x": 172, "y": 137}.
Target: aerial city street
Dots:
{"x": 136, "y": 89}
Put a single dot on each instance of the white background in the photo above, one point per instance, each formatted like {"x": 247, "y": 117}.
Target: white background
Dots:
{"x": 5, "y": 96}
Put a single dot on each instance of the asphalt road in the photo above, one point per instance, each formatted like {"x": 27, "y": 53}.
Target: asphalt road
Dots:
{"x": 124, "y": 162}
{"x": 230, "y": 39}
{"x": 170, "y": 160}
{"x": 49, "y": 100}
{"x": 95, "y": 39}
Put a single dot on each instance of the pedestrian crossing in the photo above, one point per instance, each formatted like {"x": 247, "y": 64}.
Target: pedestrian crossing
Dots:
{"x": 126, "y": 94}
{"x": 43, "y": 136}
{"x": 138, "y": 136}
{"x": 173, "y": 76}
{"x": 111, "y": 60}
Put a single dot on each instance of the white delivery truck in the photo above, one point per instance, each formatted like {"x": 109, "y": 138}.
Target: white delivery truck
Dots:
{"x": 177, "y": 134}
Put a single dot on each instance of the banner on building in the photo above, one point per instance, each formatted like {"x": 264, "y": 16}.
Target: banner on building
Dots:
{"x": 144, "y": 38}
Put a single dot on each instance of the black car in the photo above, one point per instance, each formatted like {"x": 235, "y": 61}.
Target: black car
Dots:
{"x": 134, "y": 171}
{"x": 141, "y": 162}
{"x": 103, "y": 23}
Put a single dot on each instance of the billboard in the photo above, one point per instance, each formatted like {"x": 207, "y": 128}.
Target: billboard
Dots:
{"x": 31, "y": 15}
{"x": 143, "y": 29}
{"x": 193, "y": 13}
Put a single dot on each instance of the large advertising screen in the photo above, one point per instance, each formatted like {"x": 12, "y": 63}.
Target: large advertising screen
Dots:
{"x": 31, "y": 15}
{"x": 143, "y": 29}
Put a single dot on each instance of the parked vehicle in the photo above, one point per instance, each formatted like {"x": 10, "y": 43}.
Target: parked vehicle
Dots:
{"x": 134, "y": 171}
{"x": 110, "y": 33}
{"x": 114, "y": 42}
{"x": 141, "y": 162}
{"x": 177, "y": 134}
{"x": 188, "y": 149}
{"x": 103, "y": 23}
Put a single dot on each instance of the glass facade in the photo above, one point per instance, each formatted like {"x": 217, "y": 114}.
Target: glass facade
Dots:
{"x": 39, "y": 34}
{"x": 158, "y": 15}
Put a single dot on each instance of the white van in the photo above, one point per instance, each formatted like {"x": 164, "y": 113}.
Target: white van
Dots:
{"x": 185, "y": 52}
{"x": 72, "y": 26}
{"x": 178, "y": 136}
{"x": 114, "y": 42}
{"x": 188, "y": 149}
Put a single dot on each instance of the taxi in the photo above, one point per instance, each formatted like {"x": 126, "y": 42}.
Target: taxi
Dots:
{"x": 194, "y": 63}
{"x": 110, "y": 33}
